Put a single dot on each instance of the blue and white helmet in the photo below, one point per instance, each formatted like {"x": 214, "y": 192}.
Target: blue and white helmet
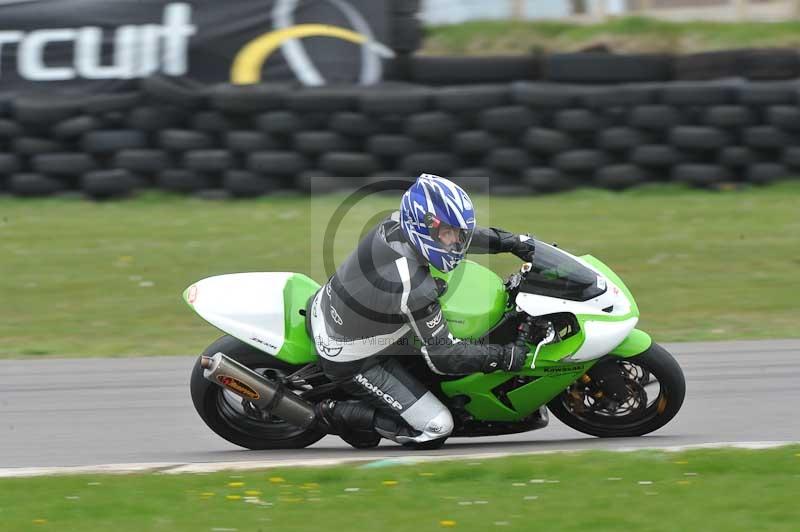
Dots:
{"x": 438, "y": 219}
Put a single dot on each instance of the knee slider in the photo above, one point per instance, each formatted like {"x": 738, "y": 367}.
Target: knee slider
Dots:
{"x": 440, "y": 426}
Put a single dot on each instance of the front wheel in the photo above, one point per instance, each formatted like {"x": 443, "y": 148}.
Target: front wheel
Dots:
{"x": 622, "y": 397}
{"x": 236, "y": 419}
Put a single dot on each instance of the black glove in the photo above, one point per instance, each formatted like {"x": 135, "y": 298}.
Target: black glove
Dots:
{"x": 512, "y": 358}
{"x": 524, "y": 248}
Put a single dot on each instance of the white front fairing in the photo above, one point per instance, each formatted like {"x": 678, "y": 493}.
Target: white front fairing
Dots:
{"x": 603, "y": 334}
{"x": 248, "y": 306}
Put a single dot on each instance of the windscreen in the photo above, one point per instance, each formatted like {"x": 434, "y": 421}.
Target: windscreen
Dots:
{"x": 556, "y": 274}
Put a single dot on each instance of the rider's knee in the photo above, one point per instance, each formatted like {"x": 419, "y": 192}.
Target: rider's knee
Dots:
{"x": 439, "y": 426}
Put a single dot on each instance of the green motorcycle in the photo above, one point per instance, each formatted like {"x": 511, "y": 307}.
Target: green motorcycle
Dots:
{"x": 589, "y": 365}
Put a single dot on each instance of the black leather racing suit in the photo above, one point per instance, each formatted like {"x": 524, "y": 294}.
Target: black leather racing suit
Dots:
{"x": 366, "y": 315}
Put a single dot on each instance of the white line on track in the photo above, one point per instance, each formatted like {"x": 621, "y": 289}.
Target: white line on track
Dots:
{"x": 210, "y": 467}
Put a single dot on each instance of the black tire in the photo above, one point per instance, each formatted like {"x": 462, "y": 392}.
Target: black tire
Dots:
{"x": 547, "y": 141}
{"x": 34, "y": 185}
{"x": 244, "y": 184}
{"x": 438, "y": 163}
{"x": 391, "y": 145}
{"x": 736, "y": 157}
{"x": 511, "y": 160}
{"x": 9, "y": 129}
{"x": 698, "y": 138}
{"x": 768, "y": 93}
{"x": 453, "y": 70}
{"x": 67, "y": 164}
{"x": 791, "y": 157}
{"x": 9, "y": 163}
{"x": 44, "y": 111}
{"x": 322, "y": 99}
{"x": 348, "y": 164}
{"x": 471, "y": 98}
{"x": 655, "y": 117}
{"x": 208, "y": 160}
{"x": 765, "y": 173}
{"x": 401, "y": 101}
{"x": 771, "y": 64}
{"x": 155, "y": 118}
{"x": 319, "y": 142}
{"x": 700, "y": 175}
{"x": 580, "y": 161}
{"x": 184, "y": 140}
{"x": 706, "y": 66}
{"x": 75, "y": 127}
{"x": 36, "y": 146}
{"x": 784, "y": 117}
{"x": 656, "y": 155}
{"x": 182, "y": 181}
{"x": 177, "y": 91}
{"x": 620, "y": 176}
{"x": 545, "y": 179}
{"x": 6, "y": 103}
{"x": 510, "y": 119}
{"x": 545, "y": 95}
{"x": 621, "y": 138}
{"x": 672, "y": 389}
{"x": 280, "y": 122}
{"x": 221, "y": 416}
{"x": 105, "y": 184}
{"x": 211, "y": 122}
{"x": 603, "y": 98}
{"x": 98, "y": 104}
{"x": 249, "y": 141}
{"x": 144, "y": 161}
{"x": 474, "y": 179}
{"x": 111, "y": 140}
{"x": 767, "y": 137}
{"x": 729, "y": 116}
{"x": 247, "y": 99}
{"x": 598, "y": 67}
{"x": 686, "y": 93}
{"x": 474, "y": 142}
{"x": 434, "y": 126}
{"x": 318, "y": 182}
{"x": 277, "y": 163}
{"x": 353, "y": 124}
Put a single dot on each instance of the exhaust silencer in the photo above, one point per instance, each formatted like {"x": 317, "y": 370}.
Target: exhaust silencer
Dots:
{"x": 266, "y": 395}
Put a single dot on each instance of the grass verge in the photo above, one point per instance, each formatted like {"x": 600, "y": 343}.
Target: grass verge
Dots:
{"x": 721, "y": 489}
{"x": 626, "y": 34}
{"x": 105, "y": 279}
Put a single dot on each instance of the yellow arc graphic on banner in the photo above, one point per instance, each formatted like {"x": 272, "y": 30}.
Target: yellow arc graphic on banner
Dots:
{"x": 250, "y": 60}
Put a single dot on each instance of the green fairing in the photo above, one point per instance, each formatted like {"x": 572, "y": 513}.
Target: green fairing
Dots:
{"x": 297, "y": 347}
{"x": 553, "y": 376}
{"x": 636, "y": 343}
{"x": 475, "y": 300}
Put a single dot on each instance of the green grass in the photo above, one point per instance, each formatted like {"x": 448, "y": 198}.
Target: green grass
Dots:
{"x": 628, "y": 34}
{"x": 105, "y": 279}
{"x": 696, "y": 490}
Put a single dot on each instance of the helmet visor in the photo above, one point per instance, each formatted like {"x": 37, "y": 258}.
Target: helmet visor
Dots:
{"x": 449, "y": 238}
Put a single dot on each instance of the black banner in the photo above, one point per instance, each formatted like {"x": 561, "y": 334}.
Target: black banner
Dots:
{"x": 99, "y": 44}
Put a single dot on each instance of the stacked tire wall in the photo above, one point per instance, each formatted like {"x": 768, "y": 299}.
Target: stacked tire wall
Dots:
{"x": 526, "y": 136}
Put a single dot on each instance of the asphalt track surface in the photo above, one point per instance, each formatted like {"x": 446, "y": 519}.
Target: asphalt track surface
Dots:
{"x": 112, "y": 411}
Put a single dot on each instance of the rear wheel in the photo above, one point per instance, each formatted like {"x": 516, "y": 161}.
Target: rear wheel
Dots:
{"x": 237, "y": 420}
{"x": 622, "y": 397}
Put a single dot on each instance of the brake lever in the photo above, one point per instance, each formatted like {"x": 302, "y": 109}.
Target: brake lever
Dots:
{"x": 550, "y": 335}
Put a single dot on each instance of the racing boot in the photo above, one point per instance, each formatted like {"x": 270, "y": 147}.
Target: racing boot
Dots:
{"x": 351, "y": 420}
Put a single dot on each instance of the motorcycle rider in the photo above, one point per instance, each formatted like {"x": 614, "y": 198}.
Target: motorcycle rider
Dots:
{"x": 382, "y": 296}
